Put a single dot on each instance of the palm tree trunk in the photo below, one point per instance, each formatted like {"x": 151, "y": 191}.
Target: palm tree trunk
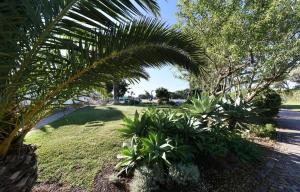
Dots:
{"x": 115, "y": 93}
{"x": 18, "y": 169}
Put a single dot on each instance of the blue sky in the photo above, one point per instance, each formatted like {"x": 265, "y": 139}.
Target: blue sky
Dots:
{"x": 163, "y": 77}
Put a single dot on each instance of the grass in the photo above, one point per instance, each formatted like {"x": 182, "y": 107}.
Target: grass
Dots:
{"x": 292, "y": 107}
{"x": 291, "y": 100}
{"x": 75, "y": 148}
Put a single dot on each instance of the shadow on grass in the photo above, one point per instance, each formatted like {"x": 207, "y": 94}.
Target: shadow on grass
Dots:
{"x": 90, "y": 115}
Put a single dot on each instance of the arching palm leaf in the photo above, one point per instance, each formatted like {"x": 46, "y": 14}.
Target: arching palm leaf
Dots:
{"x": 76, "y": 45}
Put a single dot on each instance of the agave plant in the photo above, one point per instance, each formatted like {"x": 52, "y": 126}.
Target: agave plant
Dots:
{"x": 50, "y": 51}
{"x": 205, "y": 108}
{"x": 236, "y": 112}
{"x": 130, "y": 156}
{"x": 137, "y": 126}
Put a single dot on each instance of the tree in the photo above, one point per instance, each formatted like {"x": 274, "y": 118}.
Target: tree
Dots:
{"x": 147, "y": 95}
{"x": 52, "y": 50}
{"x": 294, "y": 76}
{"x": 162, "y": 94}
{"x": 180, "y": 94}
{"x": 250, "y": 44}
{"x": 119, "y": 89}
{"x": 142, "y": 96}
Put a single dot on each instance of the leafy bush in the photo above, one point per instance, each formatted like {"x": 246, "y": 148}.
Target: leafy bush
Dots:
{"x": 167, "y": 137}
{"x": 267, "y": 130}
{"x": 174, "y": 140}
{"x": 219, "y": 143}
{"x": 214, "y": 143}
{"x": 159, "y": 137}
{"x": 184, "y": 174}
{"x": 146, "y": 180}
{"x": 244, "y": 150}
{"x": 133, "y": 102}
{"x": 269, "y": 102}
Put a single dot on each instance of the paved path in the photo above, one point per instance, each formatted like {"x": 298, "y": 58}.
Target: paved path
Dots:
{"x": 284, "y": 168}
{"x": 54, "y": 117}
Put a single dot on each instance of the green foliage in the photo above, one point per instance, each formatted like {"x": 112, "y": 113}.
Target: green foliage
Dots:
{"x": 203, "y": 105}
{"x": 220, "y": 143}
{"x": 236, "y": 112}
{"x": 130, "y": 156}
{"x": 267, "y": 130}
{"x": 184, "y": 174}
{"x": 143, "y": 96}
{"x": 160, "y": 137}
{"x": 121, "y": 86}
{"x": 180, "y": 94}
{"x": 162, "y": 94}
{"x": 214, "y": 143}
{"x": 136, "y": 126}
{"x": 167, "y": 137}
{"x": 156, "y": 148}
{"x": 57, "y": 49}
{"x": 294, "y": 75}
{"x": 243, "y": 149}
{"x": 225, "y": 112}
{"x": 205, "y": 108}
{"x": 269, "y": 102}
{"x": 132, "y": 101}
{"x": 251, "y": 44}
{"x": 176, "y": 141}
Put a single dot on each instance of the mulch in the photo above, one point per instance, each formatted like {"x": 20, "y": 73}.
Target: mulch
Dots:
{"x": 55, "y": 187}
{"x": 102, "y": 183}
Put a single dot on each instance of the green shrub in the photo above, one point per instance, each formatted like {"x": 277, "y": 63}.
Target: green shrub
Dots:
{"x": 219, "y": 143}
{"x": 161, "y": 137}
{"x": 214, "y": 143}
{"x": 267, "y": 130}
{"x": 146, "y": 180}
{"x": 164, "y": 138}
{"x": 268, "y": 102}
{"x": 184, "y": 174}
{"x": 244, "y": 150}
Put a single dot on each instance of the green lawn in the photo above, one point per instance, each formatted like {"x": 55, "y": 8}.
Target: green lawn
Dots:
{"x": 291, "y": 100}
{"x": 74, "y": 148}
{"x": 291, "y": 106}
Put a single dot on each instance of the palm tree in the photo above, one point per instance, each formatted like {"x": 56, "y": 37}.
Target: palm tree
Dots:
{"x": 52, "y": 50}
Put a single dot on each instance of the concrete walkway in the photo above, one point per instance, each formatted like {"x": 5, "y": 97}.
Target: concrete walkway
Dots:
{"x": 54, "y": 117}
{"x": 284, "y": 168}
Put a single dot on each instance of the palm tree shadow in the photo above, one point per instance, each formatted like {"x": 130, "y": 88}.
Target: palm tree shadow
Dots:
{"x": 90, "y": 115}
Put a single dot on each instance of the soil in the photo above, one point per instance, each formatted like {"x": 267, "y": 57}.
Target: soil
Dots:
{"x": 102, "y": 183}
{"x": 55, "y": 187}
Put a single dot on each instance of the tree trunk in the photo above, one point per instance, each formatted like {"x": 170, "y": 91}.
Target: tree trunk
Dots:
{"x": 115, "y": 92}
{"x": 18, "y": 169}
